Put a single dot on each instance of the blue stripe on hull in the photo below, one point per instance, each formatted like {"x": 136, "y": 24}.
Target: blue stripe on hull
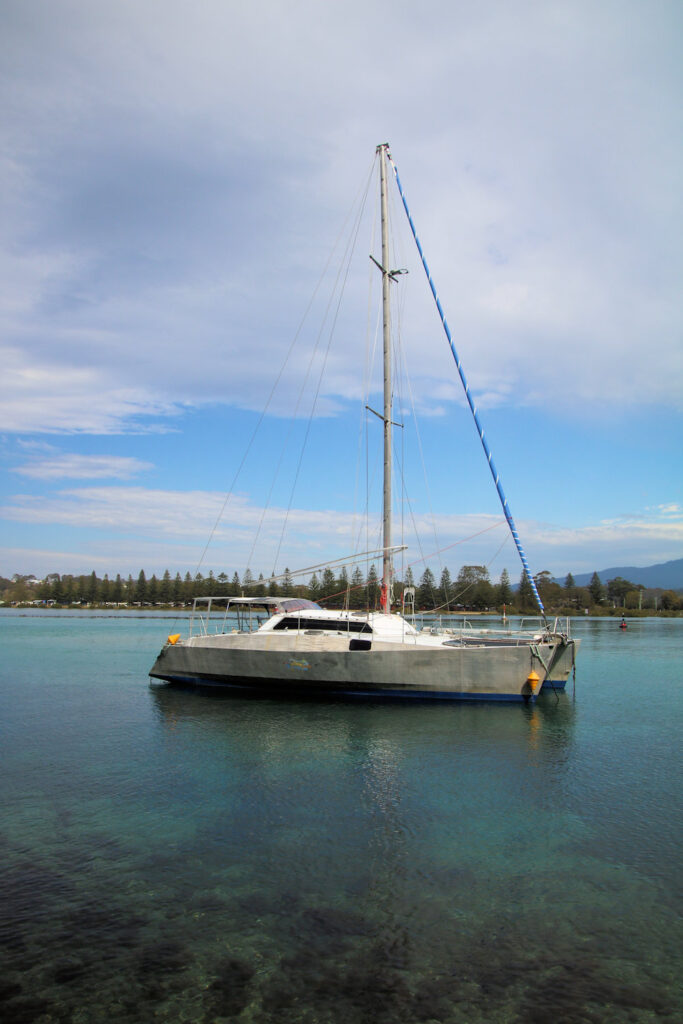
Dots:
{"x": 278, "y": 690}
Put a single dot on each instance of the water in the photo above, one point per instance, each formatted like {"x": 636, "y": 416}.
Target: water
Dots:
{"x": 176, "y": 855}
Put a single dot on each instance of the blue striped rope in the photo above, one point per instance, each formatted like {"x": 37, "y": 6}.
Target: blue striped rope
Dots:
{"x": 470, "y": 401}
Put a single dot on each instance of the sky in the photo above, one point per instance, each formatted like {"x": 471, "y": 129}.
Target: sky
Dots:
{"x": 180, "y": 387}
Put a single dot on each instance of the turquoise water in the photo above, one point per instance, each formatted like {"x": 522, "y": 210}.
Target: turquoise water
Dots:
{"x": 175, "y": 855}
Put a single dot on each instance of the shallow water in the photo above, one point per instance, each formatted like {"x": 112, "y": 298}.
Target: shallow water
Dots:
{"x": 178, "y": 855}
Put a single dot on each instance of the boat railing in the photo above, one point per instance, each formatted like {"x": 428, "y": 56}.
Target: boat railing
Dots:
{"x": 530, "y": 627}
{"x": 200, "y": 616}
{"x": 226, "y": 619}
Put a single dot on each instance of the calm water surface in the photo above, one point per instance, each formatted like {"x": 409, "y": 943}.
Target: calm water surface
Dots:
{"x": 176, "y": 855}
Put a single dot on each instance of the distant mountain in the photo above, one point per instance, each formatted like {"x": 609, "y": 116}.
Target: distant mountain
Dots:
{"x": 666, "y": 575}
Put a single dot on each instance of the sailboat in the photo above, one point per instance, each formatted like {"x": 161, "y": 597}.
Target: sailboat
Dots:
{"x": 289, "y": 646}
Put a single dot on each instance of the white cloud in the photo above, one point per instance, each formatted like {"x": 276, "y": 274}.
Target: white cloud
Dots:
{"x": 170, "y": 165}
{"x": 83, "y": 467}
{"x": 177, "y": 524}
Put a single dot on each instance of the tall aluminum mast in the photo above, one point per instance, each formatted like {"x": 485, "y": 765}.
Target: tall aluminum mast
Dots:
{"x": 387, "y": 565}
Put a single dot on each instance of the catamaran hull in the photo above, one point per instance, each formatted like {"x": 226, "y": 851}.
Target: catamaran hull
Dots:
{"x": 387, "y": 670}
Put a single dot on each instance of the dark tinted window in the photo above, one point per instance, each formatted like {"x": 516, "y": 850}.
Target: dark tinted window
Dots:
{"x": 342, "y": 626}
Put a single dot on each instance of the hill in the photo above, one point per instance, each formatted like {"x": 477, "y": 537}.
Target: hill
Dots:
{"x": 665, "y": 575}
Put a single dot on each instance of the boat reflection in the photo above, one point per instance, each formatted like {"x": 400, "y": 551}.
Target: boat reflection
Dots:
{"x": 372, "y": 734}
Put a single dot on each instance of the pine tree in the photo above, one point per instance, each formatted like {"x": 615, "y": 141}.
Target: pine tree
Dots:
{"x": 165, "y": 588}
{"x": 357, "y": 596}
{"x": 426, "y": 590}
{"x": 141, "y": 588}
{"x": 314, "y": 587}
{"x": 596, "y": 589}
{"x": 152, "y": 590}
{"x": 504, "y": 589}
{"x": 445, "y": 587}
{"x": 526, "y": 602}
{"x": 373, "y": 588}
{"x": 329, "y": 583}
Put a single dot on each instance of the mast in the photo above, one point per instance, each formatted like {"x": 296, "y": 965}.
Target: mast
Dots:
{"x": 386, "y": 335}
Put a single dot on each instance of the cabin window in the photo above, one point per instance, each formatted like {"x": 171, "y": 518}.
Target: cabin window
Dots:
{"x": 326, "y": 626}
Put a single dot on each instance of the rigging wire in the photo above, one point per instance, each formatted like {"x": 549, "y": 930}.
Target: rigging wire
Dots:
{"x": 342, "y": 286}
{"x": 470, "y": 400}
{"x": 302, "y": 390}
{"x": 229, "y": 494}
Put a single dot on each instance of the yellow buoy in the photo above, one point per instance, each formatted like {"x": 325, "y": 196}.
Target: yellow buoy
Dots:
{"x": 174, "y": 638}
{"x": 532, "y": 679}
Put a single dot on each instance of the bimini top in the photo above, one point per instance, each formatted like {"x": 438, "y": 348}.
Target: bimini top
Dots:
{"x": 273, "y": 604}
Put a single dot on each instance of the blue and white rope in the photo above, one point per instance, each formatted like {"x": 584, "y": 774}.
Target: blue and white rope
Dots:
{"x": 470, "y": 401}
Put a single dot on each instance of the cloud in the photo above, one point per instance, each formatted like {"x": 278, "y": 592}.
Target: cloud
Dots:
{"x": 178, "y": 524}
{"x": 83, "y": 467}
{"x": 173, "y": 176}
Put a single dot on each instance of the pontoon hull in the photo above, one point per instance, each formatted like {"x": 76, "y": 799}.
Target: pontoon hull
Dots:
{"x": 299, "y": 664}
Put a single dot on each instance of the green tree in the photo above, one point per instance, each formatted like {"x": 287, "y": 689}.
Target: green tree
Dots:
{"x": 525, "y": 600}
{"x": 596, "y": 589}
{"x": 166, "y": 588}
{"x": 152, "y": 590}
{"x": 357, "y": 597}
{"x": 445, "y": 587}
{"x": 670, "y": 601}
{"x": 373, "y": 588}
{"x": 549, "y": 591}
{"x": 117, "y": 590}
{"x": 141, "y": 588}
{"x": 91, "y": 589}
{"x": 505, "y": 595}
{"x": 328, "y": 583}
{"x": 341, "y": 587}
{"x": 426, "y": 591}
{"x": 617, "y": 589}
{"x": 473, "y": 587}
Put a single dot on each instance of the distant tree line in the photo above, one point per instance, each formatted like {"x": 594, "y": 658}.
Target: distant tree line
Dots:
{"x": 471, "y": 590}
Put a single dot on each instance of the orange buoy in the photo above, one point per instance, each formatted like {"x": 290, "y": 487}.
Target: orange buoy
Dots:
{"x": 174, "y": 638}
{"x": 532, "y": 679}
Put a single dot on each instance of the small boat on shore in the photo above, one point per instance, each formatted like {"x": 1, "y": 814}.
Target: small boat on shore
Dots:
{"x": 289, "y": 646}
